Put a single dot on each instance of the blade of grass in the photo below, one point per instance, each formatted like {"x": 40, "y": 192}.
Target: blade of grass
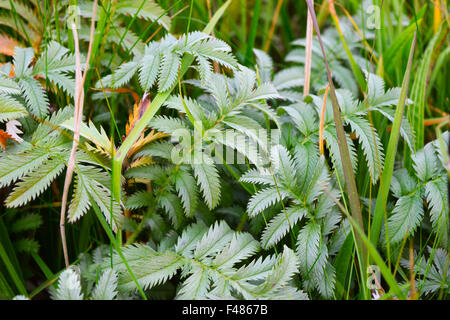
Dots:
{"x": 243, "y": 32}
{"x": 6, "y": 292}
{"x": 354, "y": 66}
{"x": 416, "y": 112}
{"x": 288, "y": 34}
{"x": 252, "y": 33}
{"x": 372, "y": 251}
{"x": 272, "y": 26}
{"x": 126, "y": 31}
{"x": 322, "y": 120}
{"x": 8, "y": 245}
{"x": 42, "y": 265}
{"x": 12, "y": 272}
{"x": 323, "y": 14}
{"x": 157, "y": 102}
{"x": 144, "y": 33}
{"x": 352, "y": 192}
{"x": 385, "y": 180}
{"x": 308, "y": 55}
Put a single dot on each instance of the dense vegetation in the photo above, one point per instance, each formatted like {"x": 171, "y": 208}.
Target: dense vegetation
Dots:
{"x": 224, "y": 149}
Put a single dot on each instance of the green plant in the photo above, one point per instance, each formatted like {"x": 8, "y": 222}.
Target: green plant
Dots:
{"x": 210, "y": 262}
{"x": 426, "y": 185}
{"x": 433, "y": 273}
{"x": 200, "y": 174}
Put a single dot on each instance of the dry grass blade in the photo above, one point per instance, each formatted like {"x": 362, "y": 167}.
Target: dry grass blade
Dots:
{"x": 13, "y": 130}
{"x": 272, "y": 27}
{"x": 308, "y": 53}
{"x": 437, "y": 18}
{"x": 78, "y": 115}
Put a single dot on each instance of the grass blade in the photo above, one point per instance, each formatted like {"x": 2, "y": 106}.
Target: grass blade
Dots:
{"x": 308, "y": 53}
{"x": 419, "y": 89}
{"x": 372, "y": 251}
{"x": 9, "y": 266}
{"x": 385, "y": 181}
{"x": 252, "y": 34}
{"x": 354, "y": 66}
{"x": 350, "y": 183}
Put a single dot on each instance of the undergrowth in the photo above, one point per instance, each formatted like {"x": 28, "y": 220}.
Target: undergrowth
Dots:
{"x": 206, "y": 168}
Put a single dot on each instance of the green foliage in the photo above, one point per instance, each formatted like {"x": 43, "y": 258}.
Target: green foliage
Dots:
{"x": 23, "y": 92}
{"x": 299, "y": 180}
{"x": 43, "y": 158}
{"x": 432, "y": 273}
{"x": 161, "y": 61}
{"x": 210, "y": 260}
{"x": 222, "y": 191}
{"x": 220, "y": 121}
{"x": 337, "y": 58}
{"x": 427, "y": 185}
{"x": 70, "y": 287}
{"x": 21, "y": 231}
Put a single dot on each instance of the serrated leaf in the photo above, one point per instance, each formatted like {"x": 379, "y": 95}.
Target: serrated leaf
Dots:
{"x": 138, "y": 200}
{"x": 308, "y": 245}
{"x": 189, "y": 239}
{"x": 35, "y": 183}
{"x": 13, "y": 167}
{"x": 370, "y": 143}
{"x": 241, "y": 246}
{"x": 196, "y": 285}
{"x": 279, "y": 226}
{"x": 187, "y": 190}
{"x": 407, "y": 214}
{"x": 168, "y": 71}
{"x": 34, "y": 94}
{"x": 22, "y": 59}
{"x": 106, "y": 286}
{"x": 11, "y": 109}
{"x": 150, "y": 271}
{"x": 148, "y": 71}
{"x": 264, "y": 199}
{"x": 124, "y": 73}
{"x": 213, "y": 241}
{"x": 31, "y": 221}
{"x": 208, "y": 179}
{"x": 69, "y": 287}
